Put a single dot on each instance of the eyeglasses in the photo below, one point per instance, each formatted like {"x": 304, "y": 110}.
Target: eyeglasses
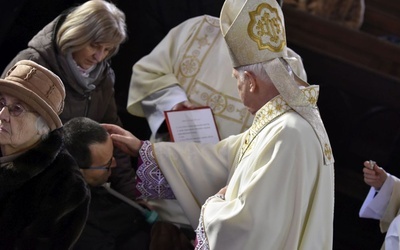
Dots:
{"x": 14, "y": 109}
{"x": 104, "y": 167}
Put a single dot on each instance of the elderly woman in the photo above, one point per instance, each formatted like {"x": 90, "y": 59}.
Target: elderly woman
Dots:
{"x": 43, "y": 196}
{"x": 77, "y": 46}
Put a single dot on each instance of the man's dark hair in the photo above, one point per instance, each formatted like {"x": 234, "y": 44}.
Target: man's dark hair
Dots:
{"x": 79, "y": 134}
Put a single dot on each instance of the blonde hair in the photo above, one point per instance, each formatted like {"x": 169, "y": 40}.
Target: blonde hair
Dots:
{"x": 95, "y": 21}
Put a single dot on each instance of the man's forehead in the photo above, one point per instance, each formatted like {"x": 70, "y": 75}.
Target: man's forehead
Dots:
{"x": 103, "y": 150}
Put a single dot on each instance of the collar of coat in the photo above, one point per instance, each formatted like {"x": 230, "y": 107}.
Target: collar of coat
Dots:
{"x": 32, "y": 162}
{"x": 269, "y": 112}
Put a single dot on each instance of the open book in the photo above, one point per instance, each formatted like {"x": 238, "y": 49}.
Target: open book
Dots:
{"x": 197, "y": 125}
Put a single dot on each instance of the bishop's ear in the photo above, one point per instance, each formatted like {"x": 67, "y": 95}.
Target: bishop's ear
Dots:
{"x": 251, "y": 80}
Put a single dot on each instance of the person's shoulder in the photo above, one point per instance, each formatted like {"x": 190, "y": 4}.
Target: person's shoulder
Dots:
{"x": 394, "y": 179}
{"x": 293, "y": 124}
{"x": 71, "y": 184}
{"x": 201, "y": 18}
{"x": 296, "y": 132}
{"x": 25, "y": 54}
{"x": 45, "y": 36}
{"x": 197, "y": 20}
{"x": 204, "y": 18}
{"x": 214, "y": 21}
{"x": 106, "y": 81}
{"x": 294, "y": 119}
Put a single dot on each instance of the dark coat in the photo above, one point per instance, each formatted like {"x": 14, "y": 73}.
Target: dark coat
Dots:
{"x": 98, "y": 104}
{"x": 113, "y": 224}
{"x": 44, "y": 199}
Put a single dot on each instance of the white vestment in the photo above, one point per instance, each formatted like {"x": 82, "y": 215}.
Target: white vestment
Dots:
{"x": 280, "y": 184}
{"x": 191, "y": 63}
{"x": 385, "y": 206}
{"x": 194, "y": 57}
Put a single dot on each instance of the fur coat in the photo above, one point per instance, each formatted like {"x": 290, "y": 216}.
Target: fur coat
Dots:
{"x": 43, "y": 198}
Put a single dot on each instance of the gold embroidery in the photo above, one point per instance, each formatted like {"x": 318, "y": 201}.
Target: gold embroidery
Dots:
{"x": 328, "y": 151}
{"x": 226, "y": 108}
{"x": 223, "y": 105}
{"x": 217, "y": 102}
{"x": 203, "y": 41}
{"x": 263, "y": 117}
{"x": 311, "y": 95}
{"x": 196, "y": 52}
{"x": 272, "y": 110}
{"x": 190, "y": 66}
{"x": 266, "y": 28}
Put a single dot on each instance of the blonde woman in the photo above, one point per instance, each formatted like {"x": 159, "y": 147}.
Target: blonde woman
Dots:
{"x": 77, "y": 46}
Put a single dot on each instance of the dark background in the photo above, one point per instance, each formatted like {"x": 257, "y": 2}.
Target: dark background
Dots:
{"x": 359, "y": 99}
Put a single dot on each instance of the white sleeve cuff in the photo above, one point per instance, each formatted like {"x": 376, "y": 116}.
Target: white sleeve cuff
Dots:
{"x": 155, "y": 104}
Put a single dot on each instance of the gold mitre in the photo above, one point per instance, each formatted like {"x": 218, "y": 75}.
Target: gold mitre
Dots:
{"x": 254, "y": 31}
{"x": 265, "y": 38}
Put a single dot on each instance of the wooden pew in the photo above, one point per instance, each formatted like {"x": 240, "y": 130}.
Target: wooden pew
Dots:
{"x": 382, "y": 18}
{"x": 351, "y": 46}
{"x": 359, "y": 78}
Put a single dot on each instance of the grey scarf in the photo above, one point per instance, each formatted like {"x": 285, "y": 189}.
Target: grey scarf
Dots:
{"x": 84, "y": 78}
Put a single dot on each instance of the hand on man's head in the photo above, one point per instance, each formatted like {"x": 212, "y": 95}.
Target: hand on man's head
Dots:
{"x": 123, "y": 139}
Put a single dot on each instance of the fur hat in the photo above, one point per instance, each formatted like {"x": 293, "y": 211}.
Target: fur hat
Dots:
{"x": 38, "y": 87}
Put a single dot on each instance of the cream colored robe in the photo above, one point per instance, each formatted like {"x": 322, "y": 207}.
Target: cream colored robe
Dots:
{"x": 195, "y": 57}
{"x": 280, "y": 194}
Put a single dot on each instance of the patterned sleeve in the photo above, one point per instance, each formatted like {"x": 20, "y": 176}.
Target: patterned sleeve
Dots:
{"x": 201, "y": 241}
{"x": 150, "y": 181}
